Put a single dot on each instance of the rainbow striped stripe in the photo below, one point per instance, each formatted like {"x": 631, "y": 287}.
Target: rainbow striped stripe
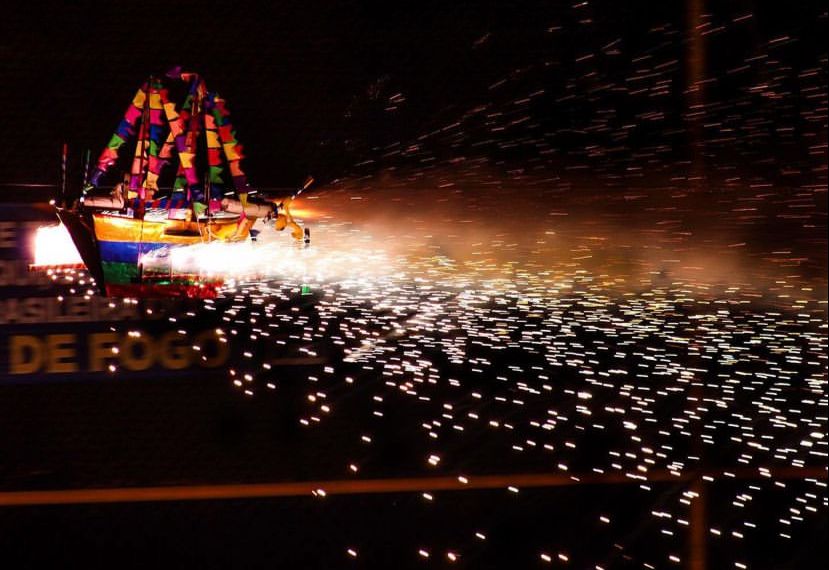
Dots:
{"x": 122, "y": 242}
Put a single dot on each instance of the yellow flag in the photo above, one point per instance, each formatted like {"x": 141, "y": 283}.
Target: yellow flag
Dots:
{"x": 230, "y": 152}
{"x": 212, "y": 139}
{"x": 155, "y": 101}
{"x": 139, "y": 99}
{"x": 170, "y": 111}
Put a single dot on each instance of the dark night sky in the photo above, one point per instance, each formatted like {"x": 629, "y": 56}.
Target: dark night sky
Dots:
{"x": 308, "y": 83}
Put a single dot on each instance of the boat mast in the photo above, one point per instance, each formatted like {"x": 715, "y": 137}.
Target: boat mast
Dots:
{"x": 143, "y": 135}
{"x": 64, "y": 155}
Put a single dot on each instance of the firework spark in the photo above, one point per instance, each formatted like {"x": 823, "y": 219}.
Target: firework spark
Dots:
{"x": 518, "y": 338}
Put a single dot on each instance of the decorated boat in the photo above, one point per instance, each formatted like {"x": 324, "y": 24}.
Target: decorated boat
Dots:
{"x": 117, "y": 227}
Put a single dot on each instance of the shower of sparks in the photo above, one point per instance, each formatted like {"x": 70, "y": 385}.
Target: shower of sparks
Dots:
{"x": 642, "y": 375}
{"x": 272, "y": 256}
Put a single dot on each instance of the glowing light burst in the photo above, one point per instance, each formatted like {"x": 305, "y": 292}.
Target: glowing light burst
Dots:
{"x": 585, "y": 373}
{"x": 275, "y": 256}
{"x": 54, "y": 246}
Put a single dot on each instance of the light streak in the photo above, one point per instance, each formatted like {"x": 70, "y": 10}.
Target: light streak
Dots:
{"x": 53, "y": 247}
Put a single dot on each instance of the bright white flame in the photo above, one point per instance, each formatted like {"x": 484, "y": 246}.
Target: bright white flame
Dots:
{"x": 276, "y": 256}
{"x": 54, "y": 246}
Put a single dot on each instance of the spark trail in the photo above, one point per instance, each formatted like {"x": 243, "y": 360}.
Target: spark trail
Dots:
{"x": 507, "y": 358}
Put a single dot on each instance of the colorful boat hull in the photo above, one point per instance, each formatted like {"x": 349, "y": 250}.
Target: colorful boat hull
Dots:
{"x": 113, "y": 248}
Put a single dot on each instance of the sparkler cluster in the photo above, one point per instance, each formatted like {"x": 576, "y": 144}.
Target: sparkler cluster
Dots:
{"x": 620, "y": 105}
{"x": 504, "y": 366}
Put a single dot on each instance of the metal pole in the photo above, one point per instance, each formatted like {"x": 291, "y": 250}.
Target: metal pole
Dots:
{"x": 86, "y": 157}
{"x": 698, "y": 531}
{"x": 695, "y": 69}
{"x": 697, "y": 544}
{"x": 63, "y": 158}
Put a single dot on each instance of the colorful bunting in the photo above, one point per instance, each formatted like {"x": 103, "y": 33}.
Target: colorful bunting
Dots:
{"x": 161, "y": 131}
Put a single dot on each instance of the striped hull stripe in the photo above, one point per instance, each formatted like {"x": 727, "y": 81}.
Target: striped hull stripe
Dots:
{"x": 170, "y": 232}
{"x": 209, "y": 291}
{"x": 116, "y": 272}
{"x": 127, "y": 251}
